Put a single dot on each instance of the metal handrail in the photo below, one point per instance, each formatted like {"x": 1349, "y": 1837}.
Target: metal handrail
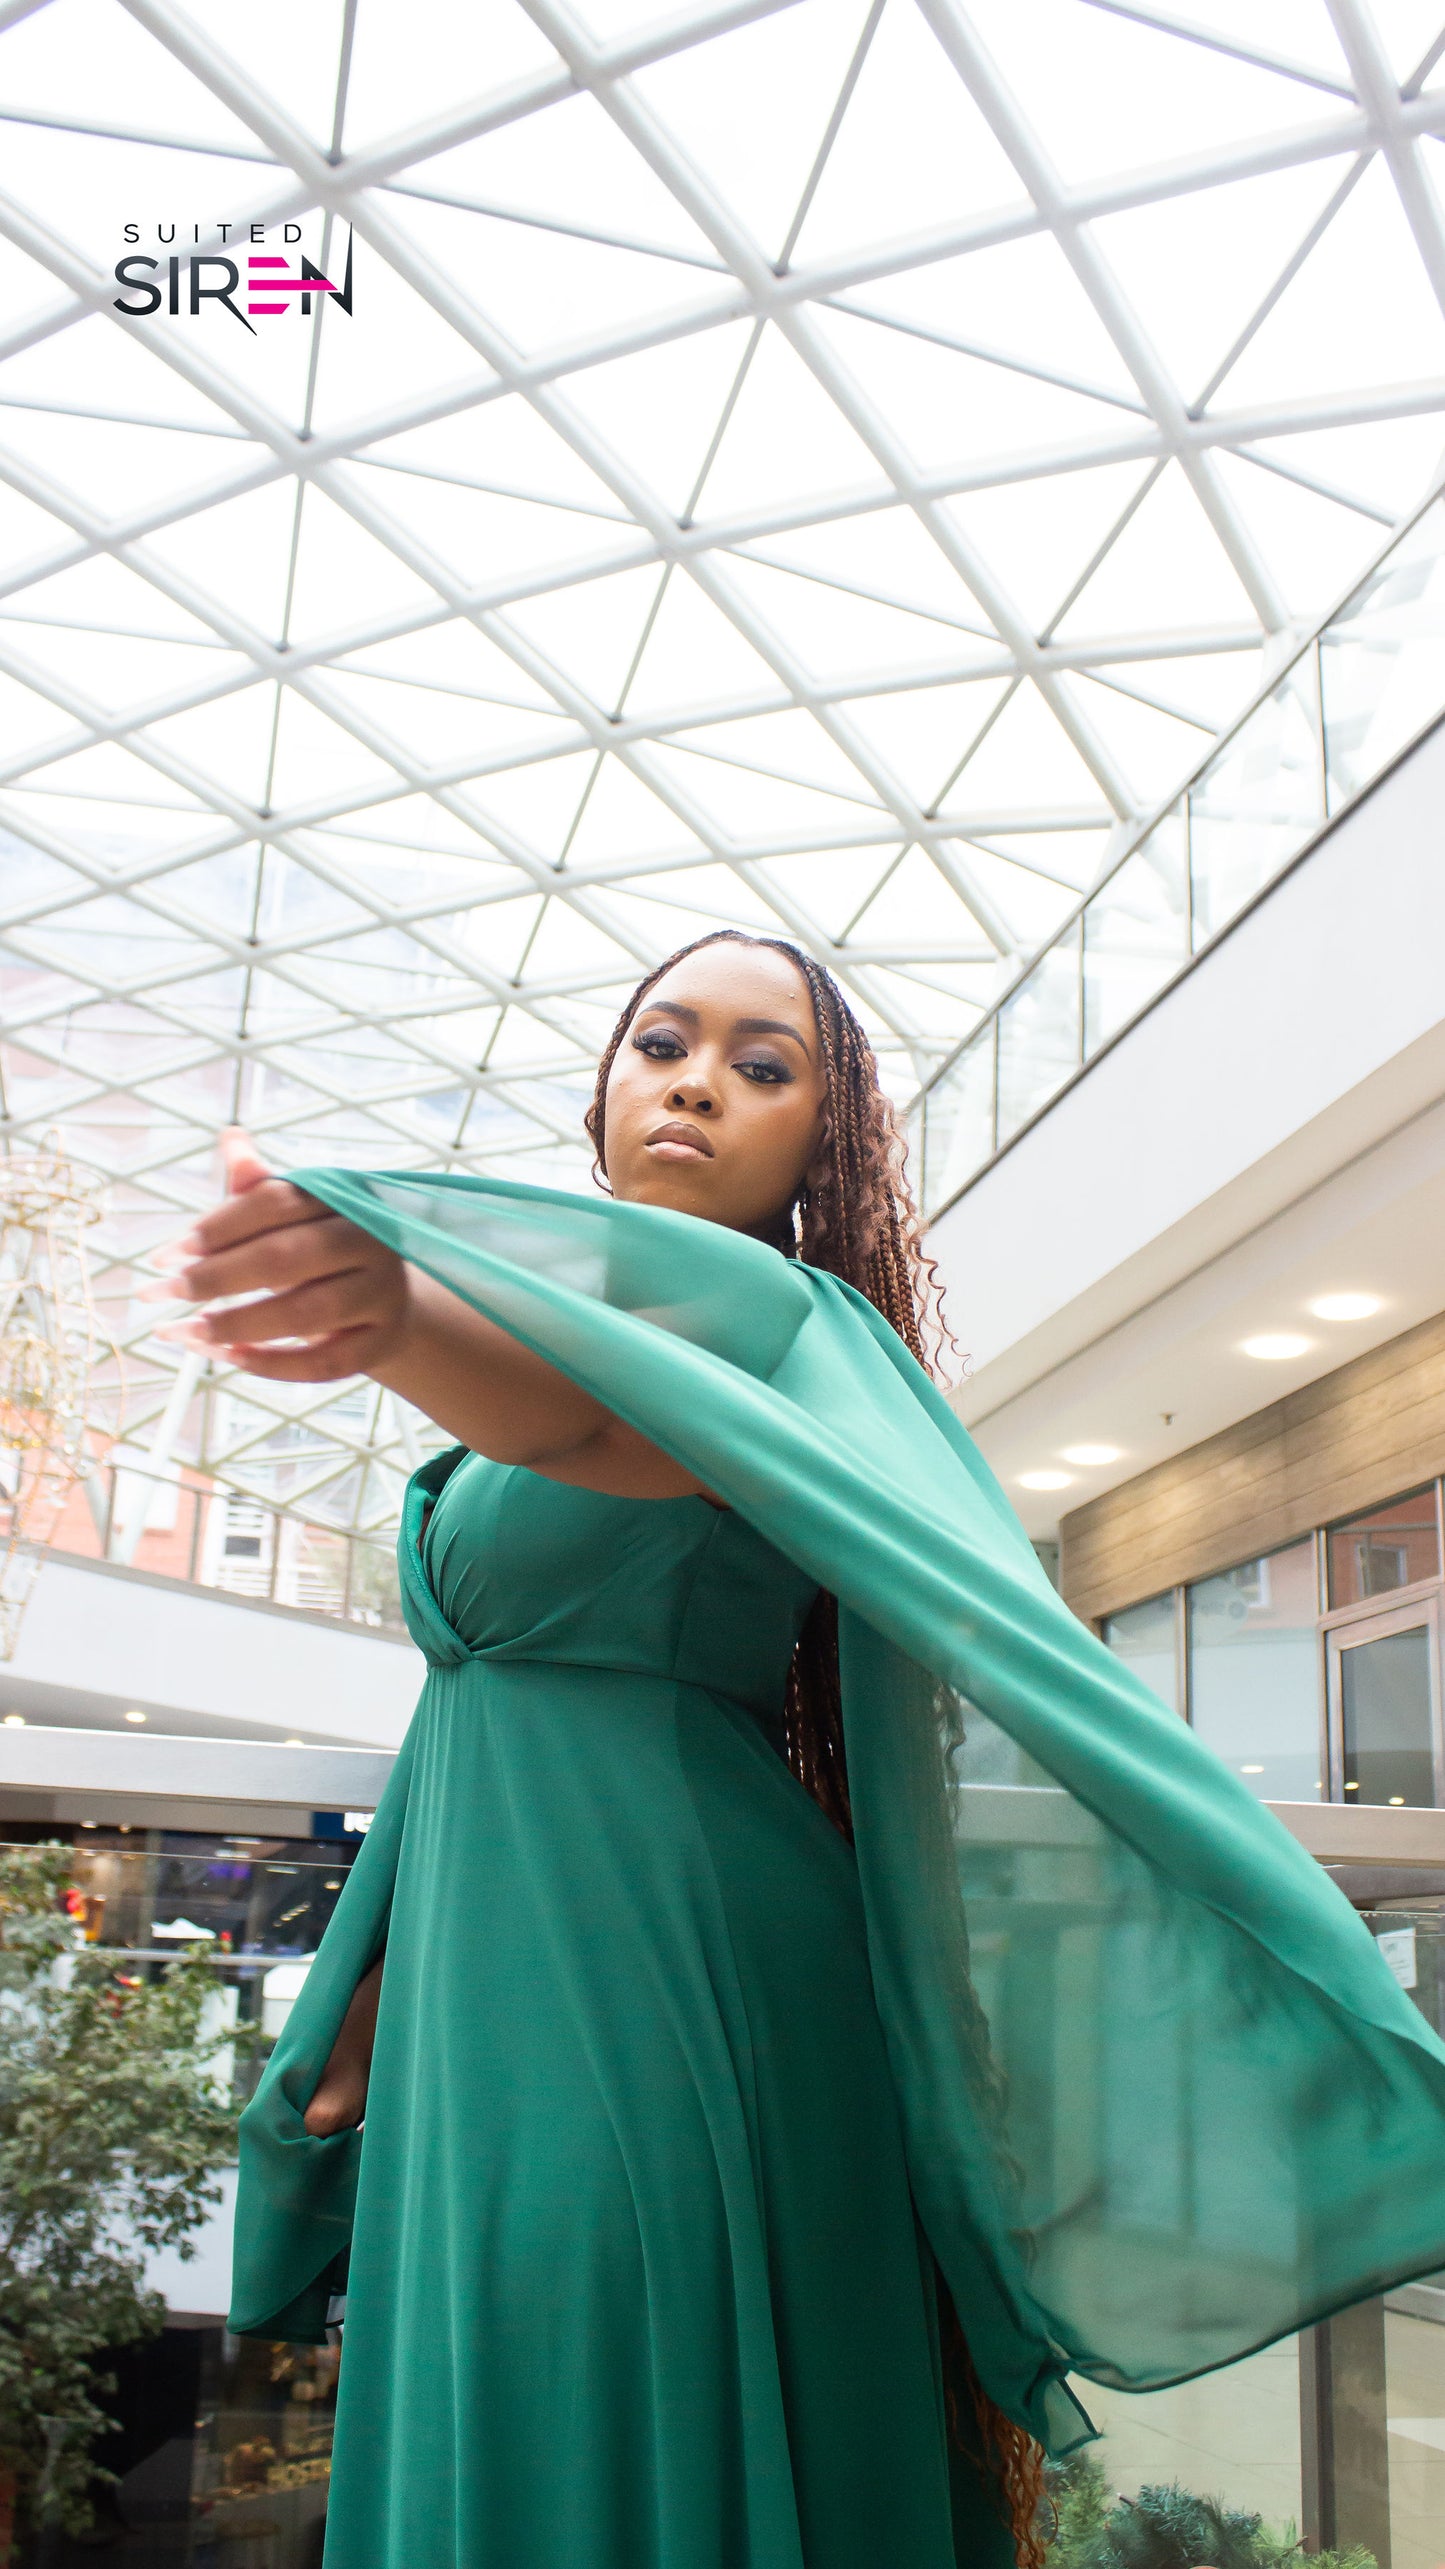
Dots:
{"x": 1072, "y": 928}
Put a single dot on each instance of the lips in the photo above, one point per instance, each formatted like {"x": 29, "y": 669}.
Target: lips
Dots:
{"x": 683, "y": 1137}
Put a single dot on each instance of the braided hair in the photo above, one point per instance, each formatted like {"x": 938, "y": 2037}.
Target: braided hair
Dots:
{"x": 857, "y": 1220}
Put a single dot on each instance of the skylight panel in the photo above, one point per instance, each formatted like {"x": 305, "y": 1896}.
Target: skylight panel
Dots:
{"x": 425, "y": 350}
{"x": 316, "y": 760}
{"x": 29, "y": 534}
{"x": 1313, "y": 548}
{"x": 480, "y": 540}
{"x": 623, "y": 820}
{"x": 785, "y": 440}
{"x": 1150, "y": 98}
{"x": 1153, "y": 751}
{"x": 1333, "y": 329}
{"x": 694, "y": 655}
{"x": 948, "y": 410}
{"x": 1039, "y": 538}
{"x": 924, "y": 733}
{"x": 591, "y": 633}
{"x": 1017, "y": 299}
{"x": 343, "y": 577}
{"x": 431, "y": 62}
{"x": 660, "y": 411}
{"x": 293, "y": 55}
{"x": 237, "y": 554}
{"x": 91, "y": 62}
{"x": 913, "y": 153}
{"x": 28, "y": 721}
{"x": 545, "y": 289}
{"x": 751, "y": 108}
{"x": 1387, "y": 464}
{"x": 500, "y": 443}
{"x": 229, "y": 741}
{"x": 117, "y": 470}
{"x": 1198, "y": 268}
{"x": 885, "y": 553}
{"x": 1028, "y": 740}
{"x": 838, "y": 636}
{"x": 827, "y": 887}
{"x": 747, "y": 807}
{"x": 434, "y": 728}
{"x": 532, "y": 808}
{"x": 1168, "y": 571}
{"x": 569, "y": 166}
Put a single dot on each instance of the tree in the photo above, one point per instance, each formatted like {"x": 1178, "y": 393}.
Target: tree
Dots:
{"x": 111, "y": 2131}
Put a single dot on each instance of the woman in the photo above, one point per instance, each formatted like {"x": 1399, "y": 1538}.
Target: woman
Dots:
{"x": 678, "y": 2108}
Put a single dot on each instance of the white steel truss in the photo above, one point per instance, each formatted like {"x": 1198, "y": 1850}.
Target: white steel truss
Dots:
{"x": 824, "y": 465}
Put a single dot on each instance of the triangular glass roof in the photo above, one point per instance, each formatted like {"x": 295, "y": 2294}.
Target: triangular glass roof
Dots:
{"x": 822, "y": 464}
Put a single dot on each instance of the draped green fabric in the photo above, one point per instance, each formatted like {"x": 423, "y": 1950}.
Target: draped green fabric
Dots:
{"x": 1162, "y": 2100}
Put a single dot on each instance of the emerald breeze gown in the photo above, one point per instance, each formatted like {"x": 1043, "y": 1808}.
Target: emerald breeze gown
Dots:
{"x": 677, "y": 2097}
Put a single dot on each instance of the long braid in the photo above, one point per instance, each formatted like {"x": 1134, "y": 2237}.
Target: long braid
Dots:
{"x": 860, "y": 1222}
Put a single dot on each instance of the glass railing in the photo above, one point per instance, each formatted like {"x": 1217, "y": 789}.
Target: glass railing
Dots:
{"x": 1354, "y": 695}
{"x": 214, "y": 1537}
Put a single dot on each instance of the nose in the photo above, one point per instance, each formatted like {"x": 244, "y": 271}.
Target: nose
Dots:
{"x": 692, "y": 1097}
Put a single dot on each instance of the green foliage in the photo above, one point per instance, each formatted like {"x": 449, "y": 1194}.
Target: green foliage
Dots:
{"x": 1166, "y": 2528}
{"x": 111, "y": 2130}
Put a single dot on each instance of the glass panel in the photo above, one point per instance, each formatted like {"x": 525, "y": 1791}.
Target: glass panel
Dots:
{"x": 1136, "y": 932}
{"x": 958, "y": 1123}
{"x": 1411, "y": 1935}
{"x": 1039, "y": 1035}
{"x": 1386, "y": 1723}
{"x": 1257, "y": 802}
{"x": 1390, "y": 1548}
{"x": 1232, "y": 2436}
{"x": 1145, "y": 1636}
{"x": 1382, "y": 662}
{"x": 1254, "y": 1672}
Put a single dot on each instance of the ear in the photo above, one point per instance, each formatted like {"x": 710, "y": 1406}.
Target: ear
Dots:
{"x": 820, "y": 1165}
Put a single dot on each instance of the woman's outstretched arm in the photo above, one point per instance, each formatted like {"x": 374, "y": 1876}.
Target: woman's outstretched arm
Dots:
{"x": 340, "y": 2099}
{"x": 339, "y": 1303}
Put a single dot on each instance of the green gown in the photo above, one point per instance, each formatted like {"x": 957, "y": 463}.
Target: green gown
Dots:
{"x": 676, "y": 2098}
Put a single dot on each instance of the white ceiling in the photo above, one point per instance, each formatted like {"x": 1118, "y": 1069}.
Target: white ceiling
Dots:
{"x": 819, "y": 465}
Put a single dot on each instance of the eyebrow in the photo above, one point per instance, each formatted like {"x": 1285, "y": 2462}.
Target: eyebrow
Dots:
{"x": 741, "y": 1025}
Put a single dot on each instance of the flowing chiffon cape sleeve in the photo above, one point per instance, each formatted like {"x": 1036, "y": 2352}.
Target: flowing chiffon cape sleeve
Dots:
{"x": 1163, "y": 2100}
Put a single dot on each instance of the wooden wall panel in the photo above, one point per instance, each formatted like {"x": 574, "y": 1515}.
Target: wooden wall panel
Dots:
{"x": 1351, "y": 1440}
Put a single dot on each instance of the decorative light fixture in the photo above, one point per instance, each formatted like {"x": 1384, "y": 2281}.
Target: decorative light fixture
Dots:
{"x": 1086, "y": 1456}
{"x": 1045, "y": 1480}
{"x": 15, "y": 1721}
{"x": 1347, "y": 1306}
{"x": 135, "y": 1717}
{"x": 51, "y": 1349}
{"x": 1275, "y": 1347}
{"x": 1251, "y": 1770}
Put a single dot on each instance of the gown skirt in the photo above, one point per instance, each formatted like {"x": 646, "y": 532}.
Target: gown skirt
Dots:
{"x": 636, "y": 2277}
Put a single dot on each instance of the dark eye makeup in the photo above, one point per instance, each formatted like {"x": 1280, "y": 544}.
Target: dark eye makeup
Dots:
{"x": 663, "y": 1043}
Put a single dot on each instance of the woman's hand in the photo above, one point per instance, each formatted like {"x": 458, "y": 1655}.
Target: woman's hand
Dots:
{"x": 331, "y": 1302}
{"x": 336, "y": 1302}
{"x": 340, "y": 2099}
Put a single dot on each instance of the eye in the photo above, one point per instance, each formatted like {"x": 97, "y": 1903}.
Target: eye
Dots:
{"x": 764, "y": 1071}
{"x": 660, "y": 1044}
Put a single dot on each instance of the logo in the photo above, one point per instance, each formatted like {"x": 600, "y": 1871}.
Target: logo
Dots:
{"x": 188, "y": 280}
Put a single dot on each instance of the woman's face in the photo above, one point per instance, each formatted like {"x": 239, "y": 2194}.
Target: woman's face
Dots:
{"x": 715, "y": 1099}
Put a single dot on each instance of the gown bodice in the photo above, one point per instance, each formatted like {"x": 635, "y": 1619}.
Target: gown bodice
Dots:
{"x": 525, "y": 1568}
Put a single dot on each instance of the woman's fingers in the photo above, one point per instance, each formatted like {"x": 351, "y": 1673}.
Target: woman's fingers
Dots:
{"x": 315, "y": 1308}
{"x": 274, "y": 1261}
{"x": 241, "y": 1162}
{"x": 326, "y": 1360}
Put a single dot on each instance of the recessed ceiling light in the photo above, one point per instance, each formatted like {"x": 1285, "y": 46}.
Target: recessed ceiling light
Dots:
{"x": 1276, "y": 1346}
{"x": 135, "y": 1717}
{"x": 1045, "y": 1480}
{"x": 1346, "y": 1306}
{"x": 15, "y": 1721}
{"x": 1397, "y": 1801}
{"x": 1086, "y": 1455}
{"x": 293, "y": 1743}
{"x": 1251, "y": 1770}
{"x": 1352, "y": 1788}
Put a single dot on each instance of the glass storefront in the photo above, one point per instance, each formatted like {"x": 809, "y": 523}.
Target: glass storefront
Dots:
{"x": 1146, "y": 1637}
{"x": 1254, "y": 1672}
{"x": 1314, "y": 1671}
